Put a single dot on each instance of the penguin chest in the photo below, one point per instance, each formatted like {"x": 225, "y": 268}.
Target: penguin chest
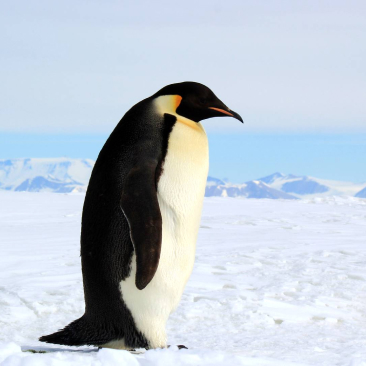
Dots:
{"x": 181, "y": 189}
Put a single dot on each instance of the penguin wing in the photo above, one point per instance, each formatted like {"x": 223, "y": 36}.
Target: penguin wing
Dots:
{"x": 139, "y": 203}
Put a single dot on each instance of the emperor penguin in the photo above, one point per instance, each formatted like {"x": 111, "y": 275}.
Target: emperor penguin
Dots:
{"x": 140, "y": 219}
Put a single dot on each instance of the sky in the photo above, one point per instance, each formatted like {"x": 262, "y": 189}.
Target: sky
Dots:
{"x": 294, "y": 70}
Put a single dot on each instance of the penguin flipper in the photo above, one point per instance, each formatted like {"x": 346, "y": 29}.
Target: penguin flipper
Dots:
{"x": 139, "y": 203}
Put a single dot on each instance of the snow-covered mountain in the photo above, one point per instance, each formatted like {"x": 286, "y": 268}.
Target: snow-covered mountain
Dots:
{"x": 55, "y": 175}
{"x": 251, "y": 189}
{"x": 283, "y": 186}
{"x": 361, "y": 194}
{"x": 63, "y": 175}
{"x": 307, "y": 187}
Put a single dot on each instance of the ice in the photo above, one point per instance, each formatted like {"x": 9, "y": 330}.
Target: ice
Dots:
{"x": 276, "y": 282}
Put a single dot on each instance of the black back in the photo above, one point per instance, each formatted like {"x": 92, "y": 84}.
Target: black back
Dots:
{"x": 106, "y": 246}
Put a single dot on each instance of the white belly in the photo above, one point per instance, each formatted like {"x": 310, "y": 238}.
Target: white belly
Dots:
{"x": 181, "y": 190}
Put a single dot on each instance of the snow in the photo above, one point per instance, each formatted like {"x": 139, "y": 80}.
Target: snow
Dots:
{"x": 276, "y": 282}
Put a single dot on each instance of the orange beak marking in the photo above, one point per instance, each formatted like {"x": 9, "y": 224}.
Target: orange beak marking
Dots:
{"x": 222, "y": 111}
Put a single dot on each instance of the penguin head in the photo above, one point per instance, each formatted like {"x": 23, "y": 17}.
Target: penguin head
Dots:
{"x": 194, "y": 101}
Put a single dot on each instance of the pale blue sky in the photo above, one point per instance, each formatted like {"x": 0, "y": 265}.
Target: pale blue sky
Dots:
{"x": 73, "y": 68}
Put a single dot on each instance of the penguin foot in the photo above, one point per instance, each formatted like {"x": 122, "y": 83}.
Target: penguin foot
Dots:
{"x": 180, "y": 346}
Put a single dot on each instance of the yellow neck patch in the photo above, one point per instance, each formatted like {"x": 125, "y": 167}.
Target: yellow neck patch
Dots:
{"x": 169, "y": 104}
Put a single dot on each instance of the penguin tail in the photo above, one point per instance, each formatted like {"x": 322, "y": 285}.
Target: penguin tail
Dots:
{"x": 78, "y": 333}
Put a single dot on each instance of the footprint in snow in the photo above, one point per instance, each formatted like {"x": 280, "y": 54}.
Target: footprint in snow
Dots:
{"x": 220, "y": 267}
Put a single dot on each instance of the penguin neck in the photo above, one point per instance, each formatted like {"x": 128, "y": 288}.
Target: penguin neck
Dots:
{"x": 169, "y": 104}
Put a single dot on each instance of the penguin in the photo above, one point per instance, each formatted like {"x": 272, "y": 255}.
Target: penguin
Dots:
{"x": 141, "y": 217}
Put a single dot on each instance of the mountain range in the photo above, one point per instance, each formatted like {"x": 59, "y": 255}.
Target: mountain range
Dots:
{"x": 65, "y": 175}
{"x": 284, "y": 186}
{"x": 61, "y": 175}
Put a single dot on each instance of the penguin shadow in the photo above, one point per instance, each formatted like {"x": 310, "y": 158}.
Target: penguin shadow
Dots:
{"x": 32, "y": 349}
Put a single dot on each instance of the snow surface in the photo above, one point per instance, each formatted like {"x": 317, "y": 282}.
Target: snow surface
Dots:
{"x": 276, "y": 282}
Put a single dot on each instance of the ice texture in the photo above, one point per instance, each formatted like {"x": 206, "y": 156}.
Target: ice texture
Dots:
{"x": 275, "y": 282}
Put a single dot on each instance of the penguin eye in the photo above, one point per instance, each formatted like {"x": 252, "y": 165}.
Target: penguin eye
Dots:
{"x": 203, "y": 101}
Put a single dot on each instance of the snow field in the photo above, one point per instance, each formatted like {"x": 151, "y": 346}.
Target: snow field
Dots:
{"x": 276, "y": 282}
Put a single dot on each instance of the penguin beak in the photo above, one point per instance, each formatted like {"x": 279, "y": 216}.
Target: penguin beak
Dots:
{"x": 229, "y": 112}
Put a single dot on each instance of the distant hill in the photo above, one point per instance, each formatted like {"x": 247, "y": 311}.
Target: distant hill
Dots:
{"x": 306, "y": 187}
{"x": 252, "y": 189}
{"x": 59, "y": 175}
{"x": 65, "y": 175}
{"x": 361, "y": 194}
